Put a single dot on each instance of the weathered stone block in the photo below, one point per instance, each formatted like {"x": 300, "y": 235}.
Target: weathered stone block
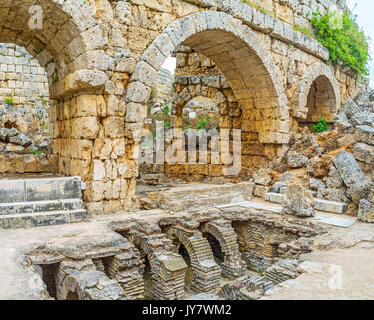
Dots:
{"x": 366, "y": 211}
{"x": 348, "y": 168}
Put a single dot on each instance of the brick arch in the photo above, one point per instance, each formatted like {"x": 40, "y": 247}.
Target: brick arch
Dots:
{"x": 167, "y": 268}
{"x": 205, "y": 270}
{"x": 240, "y": 56}
{"x": 318, "y": 94}
{"x": 233, "y": 265}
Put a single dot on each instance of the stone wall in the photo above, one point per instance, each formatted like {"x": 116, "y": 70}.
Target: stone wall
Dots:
{"x": 21, "y": 77}
{"x": 101, "y": 59}
{"x": 298, "y": 12}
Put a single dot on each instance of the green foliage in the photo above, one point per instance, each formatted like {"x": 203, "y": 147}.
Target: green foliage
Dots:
{"x": 9, "y": 100}
{"x": 202, "y": 125}
{"x": 166, "y": 110}
{"x": 321, "y": 126}
{"x": 35, "y": 152}
{"x": 167, "y": 124}
{"x": 347, "y": 45}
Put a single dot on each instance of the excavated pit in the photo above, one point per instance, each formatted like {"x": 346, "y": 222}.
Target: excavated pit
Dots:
{"x": 180, "y": 256}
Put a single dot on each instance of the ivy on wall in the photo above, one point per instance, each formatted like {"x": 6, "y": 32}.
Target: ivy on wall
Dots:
{"x": 346, "y": 42}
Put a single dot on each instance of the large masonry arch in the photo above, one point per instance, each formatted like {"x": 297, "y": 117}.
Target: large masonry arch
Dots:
{"x": 65, "y": 39}
{"x": 318, "y": 94}
{"x": 101, "y": 63}
{"x": 238, "y": 53}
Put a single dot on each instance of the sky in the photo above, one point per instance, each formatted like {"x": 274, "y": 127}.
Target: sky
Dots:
{"x": 170, "y": 64}
{"x": 365, "y": 12}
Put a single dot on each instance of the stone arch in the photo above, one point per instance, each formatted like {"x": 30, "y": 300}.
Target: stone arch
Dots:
{"x": 241, "y": 57}
{"x": 318, "y": 94}
{"x": 167, "y": 268}
{"x": 69, "y": 34}
{"x": 70, "y": 46}
{"x": 233, "y": 265}
{"x": 211, "y": 87}
{"x": 205, "y": 270}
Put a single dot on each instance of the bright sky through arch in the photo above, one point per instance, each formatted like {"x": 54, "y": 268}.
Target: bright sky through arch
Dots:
{"x": 365, "y": 13}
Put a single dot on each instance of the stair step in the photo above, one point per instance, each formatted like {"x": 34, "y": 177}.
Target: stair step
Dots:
{"x": 319, "y": 204}
{"x": 330, "y": 206}
{"x": 40, "y": 206}
{"x": 274, "y": 197}
{"x": 25, "y": 190}
{"x": 30, "y": 220}
{"x": 199, "y": 190}
{"x": 199, "y": 202}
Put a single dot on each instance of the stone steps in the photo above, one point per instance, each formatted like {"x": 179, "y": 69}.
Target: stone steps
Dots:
{"x": 319, "y": 204}
{"x": 27, "y": 203}
{"x": 40, "y": 219}
{"x": 199, "y": 195}
{"x": 40, "y": 206}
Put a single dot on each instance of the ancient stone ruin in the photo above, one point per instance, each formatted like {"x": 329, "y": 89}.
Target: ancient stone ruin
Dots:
{"x": 205, "y": 183}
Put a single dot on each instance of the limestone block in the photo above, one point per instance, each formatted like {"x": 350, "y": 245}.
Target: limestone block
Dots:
{"x": 85, "y": 128}
{"x": 263, "y": 177}
{"x": 364, "y": 152}
{"x": 330, "y": 206}
{"x": 366, "y": 211}
{"x": 348, "y": 168}
{"x": 84, "y": 106}
{"x": 298, "y": 201}
{"x": 332, "y": 194}
{"x": 275, "y": 197}
{"x": 360, "y": 190}
{"x": 12, "y": 191}
{"x": 296, "y": 160}
{"x": 277, "y": 186}
{"x": 334, "y": 179}
{"x": 316, "y": 184}
{"x": 114, "y": 127}
{"x": 261, "y": 191}
{"x": 365, "y": 134}
{"x": 319, "y": 166}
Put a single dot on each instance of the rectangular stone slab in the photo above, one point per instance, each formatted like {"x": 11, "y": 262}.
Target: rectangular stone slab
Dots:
{"x": 275, "y": 197}
{"x": 333, "y": 220}
{"x": 12, "y": 190}
{"x": 330, "y": 206}
{"x": 53, "y": 189}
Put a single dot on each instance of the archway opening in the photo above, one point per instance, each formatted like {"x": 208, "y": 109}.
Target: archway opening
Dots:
{"x": 24, "y": 112}
{"x": 48, "y": 273}
{"x": 147, "y": 276}
{"x": 261, "y": 111}
{"x": 187, "y": 259}
{"x": 218, "y": 254}
{"x": 321, "y": 101}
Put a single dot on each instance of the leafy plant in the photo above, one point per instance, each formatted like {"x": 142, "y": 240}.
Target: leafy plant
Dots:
{"x": 321, "y": 126}
{"x": 166, "y": 110}
{"x": 167, "y": 124}
{"x": 9, "y": 100}
{"x": 202, "y": 125}
{"x": 35, "y": 152}
{"x": 348, "y": 44}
